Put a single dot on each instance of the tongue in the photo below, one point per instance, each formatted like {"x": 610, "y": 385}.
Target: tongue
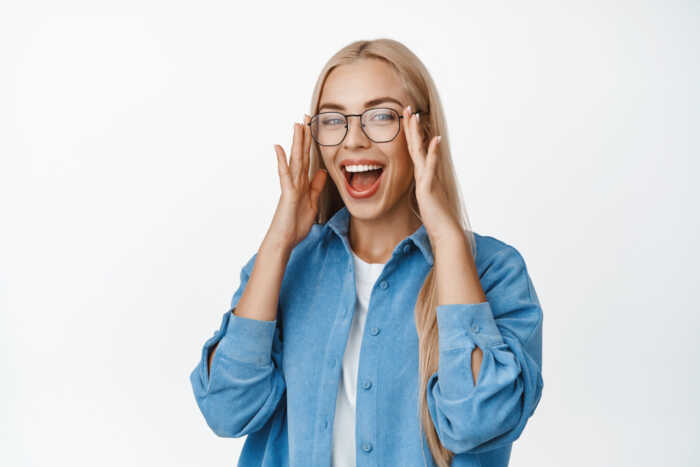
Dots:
{"x": 363, "y": 180}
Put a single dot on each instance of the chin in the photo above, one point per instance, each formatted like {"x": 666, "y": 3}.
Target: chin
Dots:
{"x": 364, "y": 210}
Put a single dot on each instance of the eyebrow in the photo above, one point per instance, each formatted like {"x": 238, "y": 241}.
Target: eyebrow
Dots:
{"x": 373, "y": 102}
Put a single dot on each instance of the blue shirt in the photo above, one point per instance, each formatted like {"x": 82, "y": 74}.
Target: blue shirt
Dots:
{"x": 277, "y": 381}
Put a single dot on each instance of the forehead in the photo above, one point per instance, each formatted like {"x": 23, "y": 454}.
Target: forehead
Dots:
{"x": 354, "y": 84}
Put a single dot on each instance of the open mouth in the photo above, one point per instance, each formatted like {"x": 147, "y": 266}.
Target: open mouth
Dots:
{"x": 363, "y": 184}
{"x": 362, "y": 180}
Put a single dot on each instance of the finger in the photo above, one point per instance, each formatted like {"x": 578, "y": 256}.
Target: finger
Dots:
{"x": 417, "y": 162}
{"x": 282, "y": 168}
{"x": 416, "y": 135}
{"x": 295, "y": 163}
{"x": 433, "y": 156}
{"x": 307, "y": 145}
{"x": 317, "y": 184}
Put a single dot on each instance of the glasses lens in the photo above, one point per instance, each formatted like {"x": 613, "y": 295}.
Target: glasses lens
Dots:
{"x": 328, "y": 128}
{"x": 381, "y": 125}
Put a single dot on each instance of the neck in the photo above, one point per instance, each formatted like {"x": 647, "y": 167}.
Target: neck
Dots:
{"x": 374, "y": 240}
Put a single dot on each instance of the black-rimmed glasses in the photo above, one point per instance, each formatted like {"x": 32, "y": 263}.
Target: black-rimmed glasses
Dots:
{"x": 379, "y": 125}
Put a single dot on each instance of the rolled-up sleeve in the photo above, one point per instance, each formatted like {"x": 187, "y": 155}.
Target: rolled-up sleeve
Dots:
{"x": 244, "y": 385}
{"x": 492, "y": 413}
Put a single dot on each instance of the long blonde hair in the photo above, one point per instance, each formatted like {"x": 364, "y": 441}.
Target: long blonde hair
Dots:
{"x": 423, "y": 94}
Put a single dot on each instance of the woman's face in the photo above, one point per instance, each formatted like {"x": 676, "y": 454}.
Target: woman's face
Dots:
{"x": 351, "y": 89}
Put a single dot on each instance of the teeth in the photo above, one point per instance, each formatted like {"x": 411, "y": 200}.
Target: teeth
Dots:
{"x": 361, "y": 168}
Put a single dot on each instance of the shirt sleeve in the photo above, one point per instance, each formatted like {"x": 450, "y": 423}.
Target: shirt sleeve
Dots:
{"x": 508, "y": 330}
{"x": 243, "y": 388}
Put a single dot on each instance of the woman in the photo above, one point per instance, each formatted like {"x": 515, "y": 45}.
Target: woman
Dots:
{"x": 373, "y": 327}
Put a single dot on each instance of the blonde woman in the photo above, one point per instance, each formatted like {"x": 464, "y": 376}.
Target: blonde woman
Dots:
{"x": 373, "y": 327}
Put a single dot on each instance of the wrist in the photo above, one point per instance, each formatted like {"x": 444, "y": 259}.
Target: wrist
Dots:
{"x": 446, "y": 234}
{"x": 276, "y": 246}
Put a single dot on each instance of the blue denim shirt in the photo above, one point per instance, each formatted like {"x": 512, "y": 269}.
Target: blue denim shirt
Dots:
{"x": 277, "y": 381}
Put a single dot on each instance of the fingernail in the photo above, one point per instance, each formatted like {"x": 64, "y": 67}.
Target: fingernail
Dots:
{"x": 409, "y": 108}
{"x": 418, "y": 117}
{"x": 438, "y": 139}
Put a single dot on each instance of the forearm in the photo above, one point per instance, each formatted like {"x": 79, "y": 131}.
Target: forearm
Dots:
{"x": 261, "y": 295}
{"x": 471, "y": 417}
{"x": 458, "y": 280}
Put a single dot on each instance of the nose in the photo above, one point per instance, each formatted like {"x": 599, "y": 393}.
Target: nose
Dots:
{"x": 355, "y": 137}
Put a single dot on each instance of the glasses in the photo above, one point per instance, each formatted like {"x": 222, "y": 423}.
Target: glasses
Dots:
{"x": 379, "y": 125}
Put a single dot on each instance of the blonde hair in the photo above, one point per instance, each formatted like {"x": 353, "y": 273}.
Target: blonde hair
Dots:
{"x": 423, "y": 95}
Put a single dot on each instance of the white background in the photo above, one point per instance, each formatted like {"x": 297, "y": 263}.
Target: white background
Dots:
{"x": 135, "y": 183}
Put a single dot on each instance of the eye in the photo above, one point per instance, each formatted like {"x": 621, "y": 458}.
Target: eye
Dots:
{"x": 382, "y": 115}
{"x": 331, "y": 121}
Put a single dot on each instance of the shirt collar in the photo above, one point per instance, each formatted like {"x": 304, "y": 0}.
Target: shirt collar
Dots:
{"x": 340, "y": 223}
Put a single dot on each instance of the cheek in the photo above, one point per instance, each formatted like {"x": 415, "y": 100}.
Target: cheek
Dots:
{"x": 327, "y": 159}
{"x": 336, "y": 176}
{"x": 402, "y": 170}
{"x": 403, "y": 164}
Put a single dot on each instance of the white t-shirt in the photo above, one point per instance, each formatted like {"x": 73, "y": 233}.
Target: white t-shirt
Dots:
{"x": 343, "y": 454}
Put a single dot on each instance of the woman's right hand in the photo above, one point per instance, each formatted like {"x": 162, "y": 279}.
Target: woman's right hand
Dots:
{"x": 298, "y": 204}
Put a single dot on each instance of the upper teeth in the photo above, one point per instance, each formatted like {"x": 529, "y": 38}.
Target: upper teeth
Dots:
{"x": 361, "y": 168}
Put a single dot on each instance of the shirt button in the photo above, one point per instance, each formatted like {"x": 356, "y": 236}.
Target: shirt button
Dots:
{"x": 261, "y": 360}
{"x": 475, "y": 327}
{"x": 374, "y": 331}
{"x": 367, "y": 384}
{"x": 406, "y": 248}
{"x": 367, "y": 447}
{"x": 383, "y": 284}
{"x": 325, "y": 424}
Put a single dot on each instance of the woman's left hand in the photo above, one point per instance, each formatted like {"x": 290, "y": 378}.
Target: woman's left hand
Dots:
{"x": 430, "y": 192}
